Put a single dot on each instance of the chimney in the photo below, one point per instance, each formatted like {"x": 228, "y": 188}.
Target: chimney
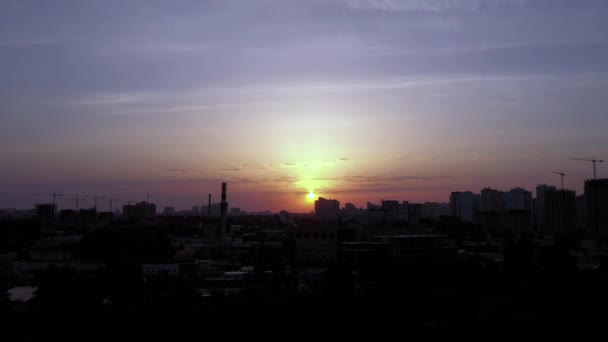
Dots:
{"x": 224, "y": 207}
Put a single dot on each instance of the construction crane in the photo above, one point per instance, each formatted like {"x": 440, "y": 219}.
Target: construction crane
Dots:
{"x": 562, "y": 174}
{"x": 77, "y": 199}
{"x": 112, "y": 200}
{"x": 594, "y": 161}
{"x": 95, "y": 198}
{"x": 55, "y": 195}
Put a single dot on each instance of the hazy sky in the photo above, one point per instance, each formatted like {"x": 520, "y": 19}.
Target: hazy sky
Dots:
{"x": 354, "y": 99}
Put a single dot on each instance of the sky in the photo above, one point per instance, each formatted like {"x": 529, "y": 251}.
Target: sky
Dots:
{"x": 358, "y": 100}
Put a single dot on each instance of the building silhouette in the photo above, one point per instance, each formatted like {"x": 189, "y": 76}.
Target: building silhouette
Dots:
{"x": 350, "y": 210}
{"x": 560, "y": 210}
{"x": 327, "y": 210}
{"x": 414, "y": 213}
{"x": 139, "y": 211}
{"x": 394, "y": 211}
{"x": 314, "y": 244}
{"x": 212, "y": 210}
{"x": 541, "y": 190}
{"x": 46, "y": 210}
{"x": 491, "y": 200}
{"x": 196, "y": 210}
{"x": 434, "y": 210}
{"x": 518, "y": 211}
{"x": 596, "y": 205}
{"x": 581, "y": 211}
{"x": 464, "y": 205}
{"x": 518, "y": 199}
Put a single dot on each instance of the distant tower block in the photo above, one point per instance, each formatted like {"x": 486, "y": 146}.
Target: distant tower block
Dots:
{"x": 209, "y": 207}
{"x": 224, "y": 209}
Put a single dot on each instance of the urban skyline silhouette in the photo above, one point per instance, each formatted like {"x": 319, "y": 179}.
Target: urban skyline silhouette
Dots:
{"x": 309, "y": 196}
{"x": 192, "y": 170}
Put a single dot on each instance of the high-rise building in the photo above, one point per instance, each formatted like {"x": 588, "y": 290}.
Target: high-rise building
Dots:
{"x": 453, "y": 203}
{"x": 414, "y": 213}
{"x": 581, "y": 211}
{"x": 350, "y": 210}
{"x": 350, "y": 206}
{"x": 464, "y": 205}
{"x": 46, "y": 210}
{"x": 518, "y": 216}
{"x": 541, "y": 190}
{"x": 491, "y": 210}
{"x": 373, "y": 207}
{"x": 434, "y": 210}
{"x": 560, "y": 210}
{"x": 284, "y": 217}
{"x": 327, "y": 210}
{"x": 491, "y": 200}
{"x": 141, "y": 210}
{"x": 518, "y": 199}
{"x": 391, "y": 210}
{"x": 596, "y": 204}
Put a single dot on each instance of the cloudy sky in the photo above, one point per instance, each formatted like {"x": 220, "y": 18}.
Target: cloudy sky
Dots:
{"x": 352, "y": 99}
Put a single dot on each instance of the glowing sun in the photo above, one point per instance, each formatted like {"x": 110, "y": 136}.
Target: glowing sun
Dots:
{"x": 311, "y": 196}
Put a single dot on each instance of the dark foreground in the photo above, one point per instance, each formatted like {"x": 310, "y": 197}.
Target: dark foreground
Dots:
{"x": 557, "y": 305}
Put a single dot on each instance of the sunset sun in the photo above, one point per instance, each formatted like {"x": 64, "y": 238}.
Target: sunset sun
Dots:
{"x": 311, "y": 196}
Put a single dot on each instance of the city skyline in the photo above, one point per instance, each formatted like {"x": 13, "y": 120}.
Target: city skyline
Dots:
{"x": 355, "y": 100}
{"x": 71, "y": 201}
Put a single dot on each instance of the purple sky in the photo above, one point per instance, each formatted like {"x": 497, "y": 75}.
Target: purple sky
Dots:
{"x": 357, "y": 100}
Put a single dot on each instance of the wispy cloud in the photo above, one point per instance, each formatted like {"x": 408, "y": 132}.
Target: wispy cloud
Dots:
{"x": 253, "y": 166}
{"x": 29, "y": 42}
{"x": 419, "y": 158}
{"x": 430, "y": 5}
{"x": 484, "y": 156}
{"x": 113, "y": 99}
{"x": 389, "y": 179}
{"x": 217, "y": 98}
{"x": 176, "y": 170}
{"x": 245, "y": 180}
{"x": 532, "y": 153}
{"x": 380, "y": 189}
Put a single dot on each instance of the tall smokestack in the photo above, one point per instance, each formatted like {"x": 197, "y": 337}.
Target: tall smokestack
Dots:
{"x": 209, "y": 207}
{"x": 224, "y": 207}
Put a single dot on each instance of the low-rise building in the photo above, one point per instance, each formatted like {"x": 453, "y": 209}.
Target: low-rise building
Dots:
{"x": 314, "y": 244}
